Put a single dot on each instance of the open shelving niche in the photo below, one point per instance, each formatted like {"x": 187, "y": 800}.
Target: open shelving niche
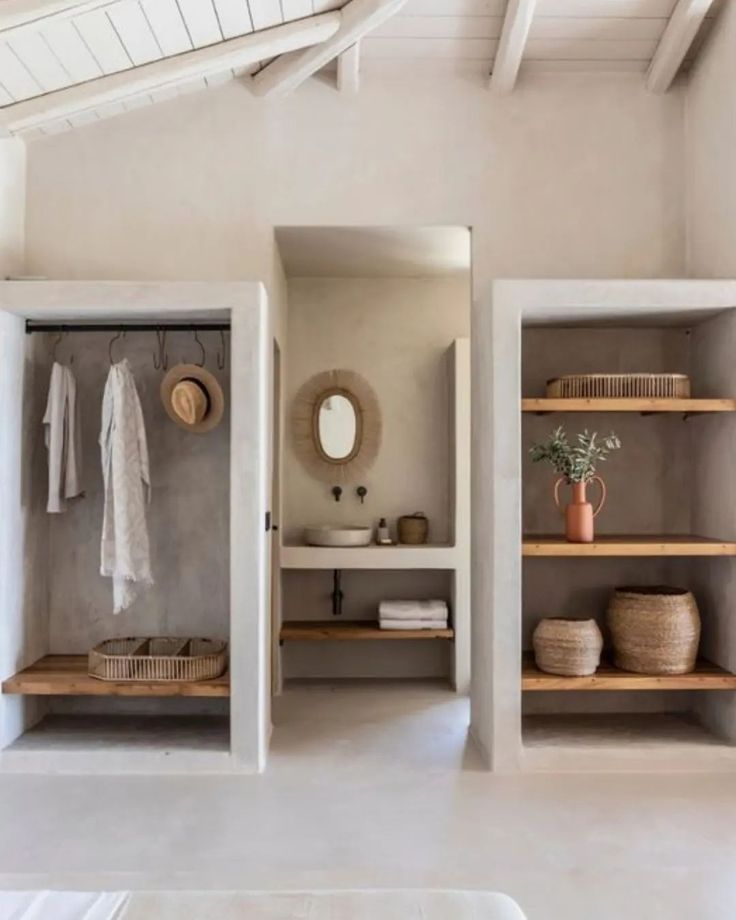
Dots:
{"x": 54, "y": 717}
{"x": 669, "y": 519}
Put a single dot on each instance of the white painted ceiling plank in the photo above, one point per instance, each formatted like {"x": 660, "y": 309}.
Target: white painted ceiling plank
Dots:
{"x": 661, "y": 9}
{"x": 16, "y": 78}
{"x": 5, "y": 97}
{"x": 18, "y": 16}
{"x": 102, "y": 40}
{"x": 201, "y": 22}
{"x": 193, "y": 65}
{"x": 296, "y": 9}
{"x": 455, "y": 8}
{"x": 675, "y": 43}
{"x": 348, "y": 70}
{"x": 40, "y": 60}
{"x": 168, "y": 26}
{"x": 357, "y": 18}
{"x": 516, "y": 26}
{"x": 440, "y": 27}
{"x": 134, "y": 31}
{"x": 437, "y": 48}
{"x": 587, "y": 50}
{"x": 601, "y": 27}
{"x": 66, "y": 43}
{"x": 266, "y": 13}
{"x": 234, "y": 16}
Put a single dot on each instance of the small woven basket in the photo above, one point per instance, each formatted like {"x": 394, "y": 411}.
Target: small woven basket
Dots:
{"x": 413, "y": 529}
{"x": 160, "y": 659}
{"x": 654, "y": 630}
{"x": 619, "y": 386}
{"x": 571, "y": 648}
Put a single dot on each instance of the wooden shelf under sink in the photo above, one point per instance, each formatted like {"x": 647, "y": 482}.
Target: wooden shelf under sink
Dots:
{"x": 706, "y": 676}
{"x": 67, "y": 675}
{"x": 642, "y": 406}
{"x": 354, "y": 630}
{"x": 628, "y": 545}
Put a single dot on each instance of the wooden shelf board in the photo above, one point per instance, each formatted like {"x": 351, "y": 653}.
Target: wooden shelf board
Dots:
{"x": 685, "y": 406}
{"x": 706, "y": 676}
{"x": 352, "y": 630}
{"x": 66, "y": 675}
{"x": 628, "y": 545}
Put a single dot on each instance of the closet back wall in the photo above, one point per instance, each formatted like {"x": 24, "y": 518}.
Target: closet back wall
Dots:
{"x": 188, "y": 517}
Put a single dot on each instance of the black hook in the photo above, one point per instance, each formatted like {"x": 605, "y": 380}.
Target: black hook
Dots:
{"x": 121, "y": 333}
{"x": 222, "y": 355}
{"x": 337, "y": 492}
{"x": 204, "y": 355}
{"x": 162, "y": 360}
{"x": 361, "y": 492}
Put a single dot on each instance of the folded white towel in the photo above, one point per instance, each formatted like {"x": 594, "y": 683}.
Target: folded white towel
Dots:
{"x": 413, "y": 624}
{"x": 412, "y": 610}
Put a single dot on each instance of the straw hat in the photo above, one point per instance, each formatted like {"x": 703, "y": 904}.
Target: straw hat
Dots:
{"x": 193, "y": 398}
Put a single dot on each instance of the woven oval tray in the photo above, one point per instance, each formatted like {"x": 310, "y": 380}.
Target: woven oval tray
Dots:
{"x": 158, "y": 659}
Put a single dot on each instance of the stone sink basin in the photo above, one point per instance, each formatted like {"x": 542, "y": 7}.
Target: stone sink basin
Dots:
{"x": 338, "y": 536}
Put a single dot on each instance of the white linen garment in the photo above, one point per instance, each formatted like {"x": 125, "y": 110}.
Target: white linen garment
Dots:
{"x": 62, "y": 437}
{"x": 125, "y": 553}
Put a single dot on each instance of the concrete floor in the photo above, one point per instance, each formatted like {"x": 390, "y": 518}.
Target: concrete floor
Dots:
{"x": 377, "y": 787}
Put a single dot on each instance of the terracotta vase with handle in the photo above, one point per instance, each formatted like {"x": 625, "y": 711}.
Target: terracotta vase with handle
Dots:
{"x": 579, "y": 514}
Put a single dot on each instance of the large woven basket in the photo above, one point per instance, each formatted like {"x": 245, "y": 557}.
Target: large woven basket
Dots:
{"x": 619, "y": 386}
{"x": 654, "y": 630}
{"x": 160, "y": 659}
{"x": 571, "y": 648}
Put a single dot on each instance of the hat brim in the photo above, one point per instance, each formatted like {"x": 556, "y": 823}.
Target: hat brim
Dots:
{"x": 209, "y": 382}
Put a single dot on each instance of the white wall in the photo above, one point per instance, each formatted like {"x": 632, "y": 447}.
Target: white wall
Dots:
{"x": 572, "y": 175}
{"x": 12, "y": 206}
{"x": 711, "y": 141}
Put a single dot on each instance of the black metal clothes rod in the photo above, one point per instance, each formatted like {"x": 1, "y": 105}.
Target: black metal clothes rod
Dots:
{"x": 126, "y": 327}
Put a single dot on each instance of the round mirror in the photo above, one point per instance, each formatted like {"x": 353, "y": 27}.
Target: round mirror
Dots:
{"x": 337, "y": 427}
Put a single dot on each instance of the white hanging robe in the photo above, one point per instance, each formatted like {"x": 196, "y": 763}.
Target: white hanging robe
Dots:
{"x": 125, "y": 553}
{"x": 63, "y": 439}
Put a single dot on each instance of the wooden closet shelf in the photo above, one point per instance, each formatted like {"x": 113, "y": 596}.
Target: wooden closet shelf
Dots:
{"x": 352, "y": 630}
{"x": 628, "y": 545}
{"x": 643, "y": 406}
{"x": 706, "y": 676}
{"x": 66, "y": 675}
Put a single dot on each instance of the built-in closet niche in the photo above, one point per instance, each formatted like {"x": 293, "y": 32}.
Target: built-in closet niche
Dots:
{"x": 188, "y": 516}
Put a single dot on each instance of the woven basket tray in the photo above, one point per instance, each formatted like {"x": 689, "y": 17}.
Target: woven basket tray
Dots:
{"x": 619, "y": 386}
{"x": 162, "y": 659}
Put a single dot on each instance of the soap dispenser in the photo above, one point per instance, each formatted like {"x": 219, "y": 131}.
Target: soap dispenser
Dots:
{"x": 383, "y": 537}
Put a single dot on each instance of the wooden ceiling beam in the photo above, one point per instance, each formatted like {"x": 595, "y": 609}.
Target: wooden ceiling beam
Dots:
{"x": 244, "y": 51}
{"x": 288, "y": 72}
{"x": 683, "y": 26}
{"x": 514, "y": 34}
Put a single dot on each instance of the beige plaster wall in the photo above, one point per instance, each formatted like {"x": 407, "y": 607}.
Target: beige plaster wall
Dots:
{"x": 395, "y": 332}
{"x": 711, "y": 139}
{"x": 571, "y": 176}
{"x": 12, "y": 206}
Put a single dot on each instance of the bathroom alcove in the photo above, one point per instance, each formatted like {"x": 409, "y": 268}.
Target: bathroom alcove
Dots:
{"x": 670, "y": 478}
{"x": 392, "y": 304}
{"x": 210, "y": 573}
